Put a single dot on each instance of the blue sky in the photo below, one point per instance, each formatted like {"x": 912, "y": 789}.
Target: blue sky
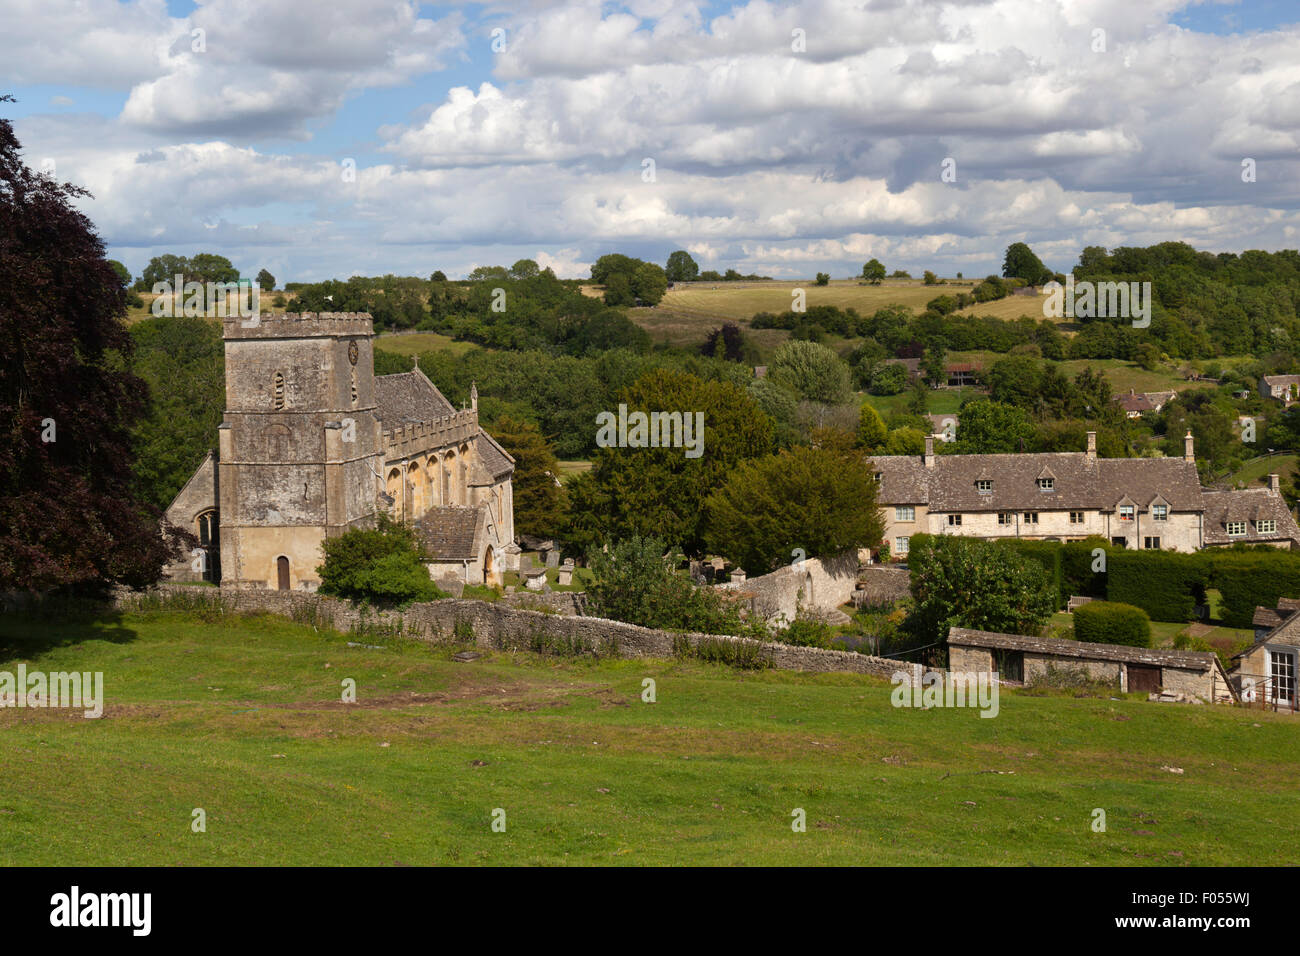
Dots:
{"x": 768, "y": 157}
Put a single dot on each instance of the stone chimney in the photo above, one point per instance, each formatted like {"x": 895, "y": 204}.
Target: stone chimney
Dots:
{"x": 1092, "y": 447}
{"x": 1274, "y": 485}
{"x": 929, "y": 451}
{"x": 1188, "y": 454}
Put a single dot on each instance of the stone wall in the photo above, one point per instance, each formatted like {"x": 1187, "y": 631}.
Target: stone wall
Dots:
{"x": 815, "y": 584}
{"x": 499, "y": 627}
{"x": 881, "y": 584}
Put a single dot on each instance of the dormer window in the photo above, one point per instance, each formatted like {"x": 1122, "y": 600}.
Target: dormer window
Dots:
{"x": 1266, "y": 526}
{"x": 1046, "y": 484}
{"x": 984, "y": 486}
{"x": 1236, "y": 528}
{"x": 1125, "y": 512}
{"x": 1159, "y": 512}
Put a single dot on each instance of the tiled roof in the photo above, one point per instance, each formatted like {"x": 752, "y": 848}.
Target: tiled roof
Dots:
{"x": 1083, "y": 650}
{"x": 1135, "y": 403}
{"x": 1248, "y": 505}
{"x": 1266, "y": 617}
{"x": 495, "y": 459}
{"x": 450, "y": 533}
{"x": 1288, "y": 632}
{"x": 409, "y": 397}
{"x": 1078, "y": 482}
{"x": 1282, "y": 379}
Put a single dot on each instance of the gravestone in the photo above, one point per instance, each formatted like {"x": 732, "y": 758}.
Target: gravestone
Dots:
{"x": 553, "y": 558}
{"x": 565, "y": 578}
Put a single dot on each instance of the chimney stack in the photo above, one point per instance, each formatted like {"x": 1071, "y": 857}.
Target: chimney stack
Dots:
{"x": 1188, "y": 454}
{"x": 1092, "y": 447}
{"x": 1274, "y": 485}
{"x": 929, "y": 451}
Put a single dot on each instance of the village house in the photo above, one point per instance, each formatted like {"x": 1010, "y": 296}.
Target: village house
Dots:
{"x": 1284, "y": 388}
{"x": 1136, "y": 403}
{"x": 313, "y": 443}
{"x": 1266, "y": 671}
{"x": 1019, "y": 659}
{"x": 1137, "y": 503}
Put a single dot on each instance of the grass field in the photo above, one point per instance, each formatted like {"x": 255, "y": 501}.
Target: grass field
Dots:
{"x": 416, "y": 342}
{"x": 1256, "y": 472}
{"x": 242, "y": 718}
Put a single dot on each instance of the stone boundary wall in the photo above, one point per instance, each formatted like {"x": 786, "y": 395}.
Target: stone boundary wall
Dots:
{"x": 498, "y": 627}
{"x": 815, "y": 584}
{"x": 882, "y": 584}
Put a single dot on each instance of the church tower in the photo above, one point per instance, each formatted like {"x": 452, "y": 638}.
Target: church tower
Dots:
{"x": 300, "y": 447}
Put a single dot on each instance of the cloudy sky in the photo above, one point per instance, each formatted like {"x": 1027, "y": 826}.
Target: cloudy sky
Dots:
{"x": 345, "y": 137}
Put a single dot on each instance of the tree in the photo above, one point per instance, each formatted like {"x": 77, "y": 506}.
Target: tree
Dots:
{"x": 649, "y": 283}
{"x": 438, "y": 276}
{"x": 871, "y": 428}
{"x": 383, "y": 564}
{"x": 70, "y": 515}
{"x": 681, "y": 267}
{"x": 1016, "y": 380}
{"x": 538, "y": 500}
{"x": 123, "y": 273}
{"x": 929, "y": 278}
{"x": 1021, "y": 263}
{"x": 888, "y": 378}
{"x": 965, "y": 582}
{"x": 659, "y": 490}
{"x": 905, "y": 441}
{"x": 812, "y": 371}
{"x": 992, "y": 428}
{"x": 815, "y": 499}
{"x": 873, "y": 272}
{"x": 823, "y": 278}
{"x": 525, "y": 269}
{"x": 637, "y": 581}
{"x": 265, "y": 281}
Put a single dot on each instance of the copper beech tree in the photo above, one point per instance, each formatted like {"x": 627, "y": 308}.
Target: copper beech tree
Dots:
{"x": 69, "y": 513}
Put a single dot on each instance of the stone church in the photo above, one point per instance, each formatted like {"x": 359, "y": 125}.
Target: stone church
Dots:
{"x": 314, "y": 443}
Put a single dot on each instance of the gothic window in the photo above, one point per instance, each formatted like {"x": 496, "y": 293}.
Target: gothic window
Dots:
{"x": 277, "y": 390}
{"x": 207, "y": 527}
{"x": 354, "y": 386}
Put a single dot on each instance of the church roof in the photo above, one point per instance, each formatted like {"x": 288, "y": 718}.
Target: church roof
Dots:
{"x": 450, "y": 533}
{"x": 409, "y": 397}
{"x": 495, "y": 459}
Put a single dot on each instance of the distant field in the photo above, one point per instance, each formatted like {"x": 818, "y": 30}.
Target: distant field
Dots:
{"x": 416, "y": 342}
{"x": 1254, "y": 472}
{"x": 570, "y": 468}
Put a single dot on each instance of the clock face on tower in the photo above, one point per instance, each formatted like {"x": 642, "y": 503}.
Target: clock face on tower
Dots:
{"x": 353, "y": 351}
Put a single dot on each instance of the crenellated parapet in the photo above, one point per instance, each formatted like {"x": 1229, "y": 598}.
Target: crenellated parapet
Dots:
{"x": 295, "y": 325}
{"x": 416, "y": 438}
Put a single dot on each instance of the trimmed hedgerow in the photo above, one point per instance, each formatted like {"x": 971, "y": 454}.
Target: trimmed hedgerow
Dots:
{"x": 1047, "y": 554}
{"x": 1105, "y": 622}
{"x": 1166, "y": 584}
{"x": 1249, "y": 578}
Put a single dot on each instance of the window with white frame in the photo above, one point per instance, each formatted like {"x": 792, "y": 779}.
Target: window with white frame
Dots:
{"x": 1046, "y": 484}
{"x": 1125, "y": 512}
{"x": 1005, "y": 517}
{"x": 954, "y": 521}
{"x": 901, "y": 544}
{"x": 904, "y": 513}
{"x": 1266, "y": 525}
{"x": 984, "y": 486}
{"x": 1076, "y": 517}
{"x": 1031, "y": 517}
{"x": 1236, "y": 528}
{"x": 1282, "y": 671}
{"x": 1151, "y": 544}
{"x": 1160, "y": 512}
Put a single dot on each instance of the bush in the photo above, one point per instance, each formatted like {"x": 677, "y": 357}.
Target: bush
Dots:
{"x": 1246, "y": 579}
{"x": 383, "y": 565}
{"x": 1047, "y": 554}
{"x": 1105, "y": 622}
{"x": 807, "y": 632}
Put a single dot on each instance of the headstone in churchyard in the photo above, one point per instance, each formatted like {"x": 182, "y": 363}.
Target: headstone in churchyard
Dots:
{"x": 553, "y": 558}
{"x": 565, "y": 577}
{"x": 535, "y": 579}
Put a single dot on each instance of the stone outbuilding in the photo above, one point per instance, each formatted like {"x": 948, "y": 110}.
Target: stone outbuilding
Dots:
{"x": 1026, "y": 660}
{"x": 1266, "y": 671}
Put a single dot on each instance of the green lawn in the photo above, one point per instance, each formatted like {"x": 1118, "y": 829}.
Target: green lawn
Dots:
{"x": 243, "y": 720}
{"x": 1257, "y": 471}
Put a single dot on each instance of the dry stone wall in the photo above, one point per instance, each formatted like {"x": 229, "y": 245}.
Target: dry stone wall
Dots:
{"x": 498, "y": 627}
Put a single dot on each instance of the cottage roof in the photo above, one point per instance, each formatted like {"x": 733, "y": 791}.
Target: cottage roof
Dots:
{"x": 1249, "y": 505}
{"x": 1077, "y": 482}
{"x": 1288, "y": 632}
{"x": 1083, "y": 650}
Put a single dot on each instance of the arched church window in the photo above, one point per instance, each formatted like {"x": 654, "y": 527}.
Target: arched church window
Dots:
{"x": 277, "y": 390}
{"x": 207, "y": 528}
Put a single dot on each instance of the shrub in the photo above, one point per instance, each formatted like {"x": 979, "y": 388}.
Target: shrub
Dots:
{"x": 383, "y": 564}
{"x": 746, "y": 655}
{"x": 1045, "y": 553}
{"x": 807, "y": 632}
{"x": 1165, "y": 584}
{"x": 1246, "y": 579}
{"x": 1106, "y": 622}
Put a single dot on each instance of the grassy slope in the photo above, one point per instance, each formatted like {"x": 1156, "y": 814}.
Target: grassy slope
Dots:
{"x": 243, "y": 720}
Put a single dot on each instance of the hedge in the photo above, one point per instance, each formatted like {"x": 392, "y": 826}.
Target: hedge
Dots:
{"x": 1167, "y": 585}
{"x": 1249, "y": 578}
{"x": 1106, "y": 622}
{"x": 1077, "y": 575}
{"x": 1046, "y": 553}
